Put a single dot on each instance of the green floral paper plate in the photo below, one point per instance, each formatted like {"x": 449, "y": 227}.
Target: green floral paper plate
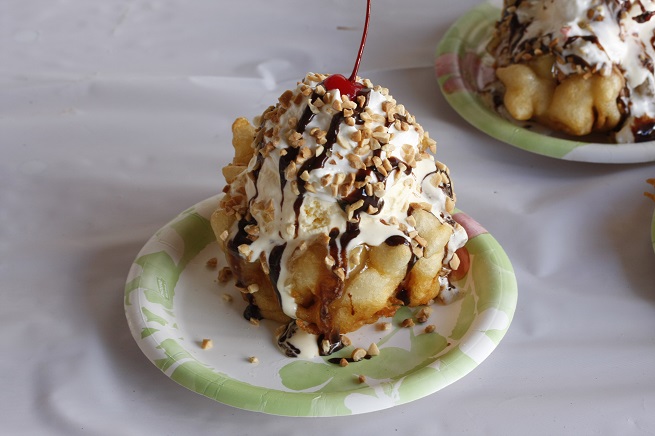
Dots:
{"x": 173, "y": 301}
{"x": 463, "y": 67}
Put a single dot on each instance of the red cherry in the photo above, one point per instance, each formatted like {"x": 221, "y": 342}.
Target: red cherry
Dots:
{"x": 345, "y": 86}
{"x": 349, "y": 86}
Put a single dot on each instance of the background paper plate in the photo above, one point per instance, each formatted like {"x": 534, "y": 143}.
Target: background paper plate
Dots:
{"x": 173, "y": 302}
{"x": 462, "y": 65}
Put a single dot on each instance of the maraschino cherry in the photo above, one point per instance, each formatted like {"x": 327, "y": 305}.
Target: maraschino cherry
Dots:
{"x": 349, "y": 86}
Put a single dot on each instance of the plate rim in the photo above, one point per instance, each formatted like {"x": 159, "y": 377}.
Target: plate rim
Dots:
{"x": 470, "y": 107}
{"x": 149, "y": 345}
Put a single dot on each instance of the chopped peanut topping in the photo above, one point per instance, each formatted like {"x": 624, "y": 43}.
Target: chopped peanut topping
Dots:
{"x": 409, "y": 322}
{"x": 373, "y": 350}
{"x": 358, "y": 354}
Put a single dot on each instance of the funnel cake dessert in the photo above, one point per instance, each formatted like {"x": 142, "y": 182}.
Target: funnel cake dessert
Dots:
{"x": 580, "y": 66}
{"x": 335, "y": 213}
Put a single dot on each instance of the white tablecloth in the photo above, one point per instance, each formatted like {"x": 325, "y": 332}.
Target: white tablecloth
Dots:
{"x": 115, "y": 116}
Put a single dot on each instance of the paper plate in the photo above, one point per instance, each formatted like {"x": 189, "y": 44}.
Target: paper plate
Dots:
{"x": 462, "y": 67}
{"x": 173, "y": 301}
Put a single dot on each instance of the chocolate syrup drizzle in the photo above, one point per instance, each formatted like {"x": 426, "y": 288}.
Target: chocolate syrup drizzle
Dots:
{"x": 328, "y": 294}
{"x": 283, "y": 341}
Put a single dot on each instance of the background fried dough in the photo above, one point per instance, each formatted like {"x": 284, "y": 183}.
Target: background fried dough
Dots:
{"x": 578, "y": 105}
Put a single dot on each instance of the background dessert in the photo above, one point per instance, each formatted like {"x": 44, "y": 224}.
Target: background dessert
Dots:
{"x": 650, "y": 194}
{"x": 578, "y": 66}
{"x": 335, "y": 212}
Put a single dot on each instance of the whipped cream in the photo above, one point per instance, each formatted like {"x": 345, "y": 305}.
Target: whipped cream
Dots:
{"x": 590, "y": 36}
{"x": 349, "y": 172}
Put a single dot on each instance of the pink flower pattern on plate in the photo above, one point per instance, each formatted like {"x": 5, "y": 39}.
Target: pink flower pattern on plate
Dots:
{"x": 463, "y": 73}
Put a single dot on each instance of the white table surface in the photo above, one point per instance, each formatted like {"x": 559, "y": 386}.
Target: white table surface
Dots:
{"x": 115, "y": 116}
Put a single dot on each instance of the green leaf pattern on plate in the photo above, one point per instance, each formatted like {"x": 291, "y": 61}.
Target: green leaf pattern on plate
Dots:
{"x": 163, "y": 273}
{"x": 147, "y": 332}
{"x": 427, "y": 363}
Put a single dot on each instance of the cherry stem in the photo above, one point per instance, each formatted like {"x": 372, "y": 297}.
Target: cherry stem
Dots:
{"x": 353, "y": 75}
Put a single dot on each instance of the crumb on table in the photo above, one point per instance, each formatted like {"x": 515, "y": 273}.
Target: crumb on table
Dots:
{"x": 650, "y": 194}
{"x": 206, "y": 344}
